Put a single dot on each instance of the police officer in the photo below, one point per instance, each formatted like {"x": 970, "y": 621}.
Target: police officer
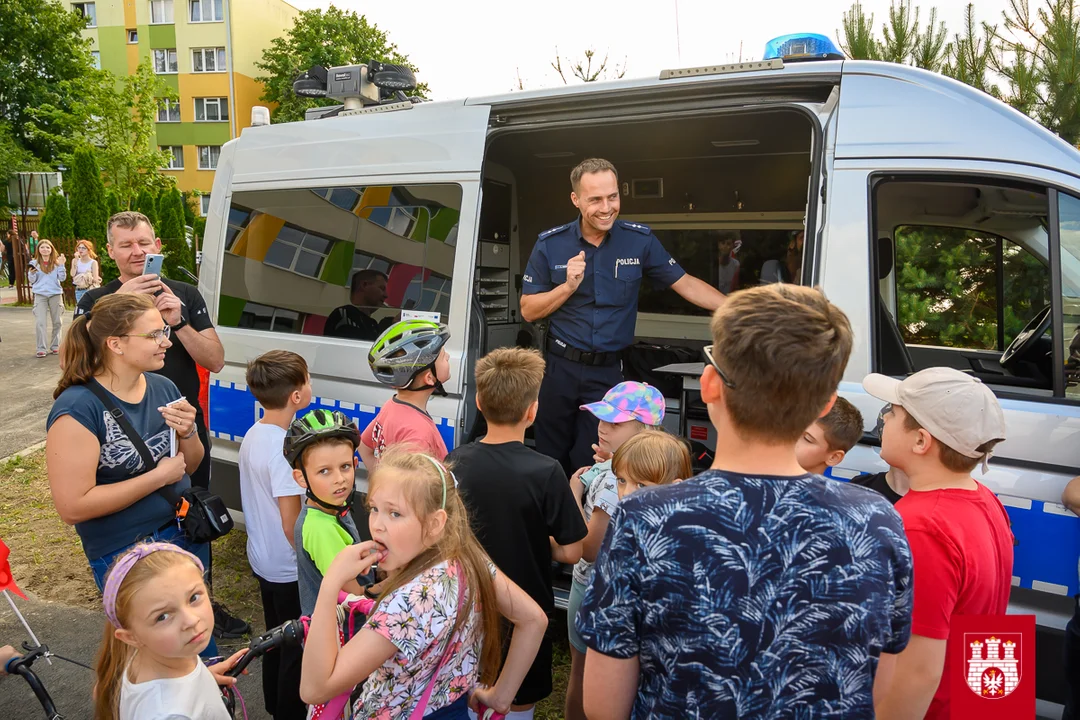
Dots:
{"x": 585, "y": 276}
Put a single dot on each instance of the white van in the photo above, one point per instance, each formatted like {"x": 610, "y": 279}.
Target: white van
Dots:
{"x": 887, "y": 167}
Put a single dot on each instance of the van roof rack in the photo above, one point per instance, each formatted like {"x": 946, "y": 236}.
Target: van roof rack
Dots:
{"x": 774, "y": 64}
{"x": 363, "y": 89}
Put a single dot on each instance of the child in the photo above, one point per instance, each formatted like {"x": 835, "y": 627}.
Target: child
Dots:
{"x": 270, "y": 499}
{"x": 941, "y": 425}
{"x": 431, "y": 637}
{"x": 707, "y": 596}
{"x": 519, "y": 501}
{"x": 650, "y": 459}
{"x": 627, "y": 409}
{"x": 159, "y": 620}
{"x": 829, "y": 438}
{"x": 893, "y": 484}
{"x": 320, "y": 447}
{"x": 410, "y": 358}
{"x": 46, "y": 272}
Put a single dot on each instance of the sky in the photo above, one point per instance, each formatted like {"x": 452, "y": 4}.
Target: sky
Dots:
{"x": 480, "y": 47}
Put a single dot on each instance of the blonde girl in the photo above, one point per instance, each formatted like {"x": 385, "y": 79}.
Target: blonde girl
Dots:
{"x": 85, "y": 271}
{"x": 433, "y": 634}
{"x": 46, "y": 273}
{"x": 159, "y": 620}
{"x": 650, "y": 459}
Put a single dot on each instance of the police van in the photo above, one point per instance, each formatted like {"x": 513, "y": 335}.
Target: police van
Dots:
{"x": 888, "y": 169}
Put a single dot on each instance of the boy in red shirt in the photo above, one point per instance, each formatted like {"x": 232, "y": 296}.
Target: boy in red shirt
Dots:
{"x": 941, "y": 425}
{"x": 409, "y": 357}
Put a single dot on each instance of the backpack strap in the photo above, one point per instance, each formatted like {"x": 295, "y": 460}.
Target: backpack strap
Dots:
{"x": 418, "y": 711}
{"x": 136, "y": 440}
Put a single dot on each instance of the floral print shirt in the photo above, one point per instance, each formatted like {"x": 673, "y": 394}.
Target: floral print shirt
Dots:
{"x": 418, "y": 618}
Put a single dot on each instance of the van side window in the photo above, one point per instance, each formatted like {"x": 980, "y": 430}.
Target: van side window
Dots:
{"x": 338, "y": 261}
{"x": 1069, "y": 233}
{"x": 963, "y": 278}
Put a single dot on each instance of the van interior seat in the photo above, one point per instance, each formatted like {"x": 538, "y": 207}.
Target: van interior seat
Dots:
{"x": 893, "y": 355}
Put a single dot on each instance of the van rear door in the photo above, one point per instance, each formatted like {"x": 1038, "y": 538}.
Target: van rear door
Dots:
{"x": 328, "y": 231}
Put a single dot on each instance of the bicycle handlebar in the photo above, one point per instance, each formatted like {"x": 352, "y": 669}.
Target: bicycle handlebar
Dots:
{"x": 21, "y": 666}
{"x": 288, "y": 634}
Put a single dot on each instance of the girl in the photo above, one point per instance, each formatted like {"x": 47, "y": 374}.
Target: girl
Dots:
{"x": 85, "y": 272}
{"x": 434, "y": 631}
{"x": 649, "y": 459}
{"x": 45, "y": 274}
{"x": 96, "y": 476}
{"x": 159, "y": 620}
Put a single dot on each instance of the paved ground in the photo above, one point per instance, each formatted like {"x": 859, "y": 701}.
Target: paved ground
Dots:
{"x": 75, "y": 633}
{"x": 26, "y": 383}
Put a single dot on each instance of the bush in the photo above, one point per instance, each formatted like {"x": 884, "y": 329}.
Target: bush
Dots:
{"x": 57, "y": 223}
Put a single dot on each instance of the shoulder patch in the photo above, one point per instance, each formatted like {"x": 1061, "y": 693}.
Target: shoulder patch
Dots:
{"x": 636, "y": 227}
{"x": 554, "y": 230}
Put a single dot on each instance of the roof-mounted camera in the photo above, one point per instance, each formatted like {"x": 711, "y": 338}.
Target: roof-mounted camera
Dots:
{"x": 372, "y": 87}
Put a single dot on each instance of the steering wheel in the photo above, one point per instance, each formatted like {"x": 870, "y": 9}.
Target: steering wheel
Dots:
{"x": 1026, "y": 338}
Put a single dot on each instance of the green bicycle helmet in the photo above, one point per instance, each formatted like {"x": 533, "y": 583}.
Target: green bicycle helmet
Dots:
{"x": 318, "y": 425}
{"x": 406, "y": 349}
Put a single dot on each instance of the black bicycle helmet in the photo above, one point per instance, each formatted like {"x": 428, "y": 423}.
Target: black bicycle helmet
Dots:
{"x": 318, "y": 425}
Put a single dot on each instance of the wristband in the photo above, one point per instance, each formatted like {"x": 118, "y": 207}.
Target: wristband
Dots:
{"x": 179, "y": 326}
{"x": 194, "y": 429}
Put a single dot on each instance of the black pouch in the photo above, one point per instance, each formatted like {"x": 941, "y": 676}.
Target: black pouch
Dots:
{"x": 641, "y": 359}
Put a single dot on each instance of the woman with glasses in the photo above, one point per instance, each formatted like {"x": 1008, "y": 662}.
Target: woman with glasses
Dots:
{"x": 99, "y": 482}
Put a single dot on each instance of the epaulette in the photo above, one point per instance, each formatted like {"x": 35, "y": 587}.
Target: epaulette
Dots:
{"x": 636, "y": 227}
{"x": 554, "y": 230}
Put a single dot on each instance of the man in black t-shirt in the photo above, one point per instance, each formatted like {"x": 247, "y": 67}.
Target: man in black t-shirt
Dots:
{"x": 519, "y": 501}
{"x": 352, "y": 321}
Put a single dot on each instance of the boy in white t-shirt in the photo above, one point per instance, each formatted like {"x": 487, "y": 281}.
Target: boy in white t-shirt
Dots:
{"x": 271, "y": 501}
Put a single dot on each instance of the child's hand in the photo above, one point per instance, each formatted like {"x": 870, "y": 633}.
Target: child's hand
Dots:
{"x": 601, "y": 455}
{"x": 578, "y": 474}
{"x": 489, "y": 698}
{"x": 218, "y": 670}
{"x": 6, "y": 653}
{"x": 352, "y": 561}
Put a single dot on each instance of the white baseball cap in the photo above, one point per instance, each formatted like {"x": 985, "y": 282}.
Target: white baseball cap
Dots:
{"x": 956, "y": 408}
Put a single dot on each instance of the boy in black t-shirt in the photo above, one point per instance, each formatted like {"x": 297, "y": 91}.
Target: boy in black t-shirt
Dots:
{"x": 519, "y": 501}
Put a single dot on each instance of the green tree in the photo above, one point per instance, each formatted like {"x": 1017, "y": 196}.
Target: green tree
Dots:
{"x": 146, "y": 204}
{"x": 173, "y": 238}
{"x": 122, "y": 127}
{"x": 191, "y": 202}
{"x": 858, "y": 39}
{"x": 56, "y": 223}
{"x": 47, "y": 71}
{"x": 328, "y": 38}
{"x": 112, "y": 202}
{"x": 88, "y": 206}
{"x": 14, "y": 158}
{"x": 970, "y": 55}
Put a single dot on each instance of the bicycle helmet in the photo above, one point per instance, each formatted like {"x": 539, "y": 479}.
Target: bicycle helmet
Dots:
{"x": 320, "y": 425}
{"x": 406, "y": 349}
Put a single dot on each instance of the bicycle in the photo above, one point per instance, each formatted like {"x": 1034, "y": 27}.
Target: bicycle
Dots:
{"x": 21, "y": 666}
{"x": 288, "y": 634}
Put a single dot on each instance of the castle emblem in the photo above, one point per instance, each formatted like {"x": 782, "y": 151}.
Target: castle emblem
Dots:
{"x": 993, "y": 667}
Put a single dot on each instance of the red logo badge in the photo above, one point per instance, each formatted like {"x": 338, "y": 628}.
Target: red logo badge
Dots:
{"x": 992, "y": 661}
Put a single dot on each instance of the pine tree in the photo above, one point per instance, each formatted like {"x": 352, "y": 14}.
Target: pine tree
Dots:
{"x": 89, "y": 210}
{"x": 56, "y": 223}
{"x": 191, "y": 201}
{"x": 173, "y": 240}
{"x": 146, "y": 204}
{"x": 113, "y": 202}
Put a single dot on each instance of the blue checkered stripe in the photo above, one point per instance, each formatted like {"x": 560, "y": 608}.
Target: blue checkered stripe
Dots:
{"x": 233, "y": 409}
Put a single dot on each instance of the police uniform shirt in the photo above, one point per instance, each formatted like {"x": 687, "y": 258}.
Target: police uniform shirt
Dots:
{"x": 601, "y": 314}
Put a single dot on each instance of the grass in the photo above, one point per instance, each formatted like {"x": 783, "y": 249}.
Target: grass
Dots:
{"x": 47, "y": 560}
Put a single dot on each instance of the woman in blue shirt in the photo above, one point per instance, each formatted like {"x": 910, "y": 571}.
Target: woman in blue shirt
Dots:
{"x": 45, "y": 274}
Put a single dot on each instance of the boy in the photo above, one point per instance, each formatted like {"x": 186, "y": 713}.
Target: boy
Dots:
{"x": 893, "y": 484}
{"x": 410, "y": 358}
{"x": 270, "y": 500}
{"x": 941, "y": 425}
{"x": 731, "y": 594}
{"x": 518, "y": 500}
{"x": 829, "y": 438}
{"x": 320, "y": 448}
{"x": 627, "y": 409}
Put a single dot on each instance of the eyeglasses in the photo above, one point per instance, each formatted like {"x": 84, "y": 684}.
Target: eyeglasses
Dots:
{"x": 707, "y": 350}
{"x": 157, "y": 336}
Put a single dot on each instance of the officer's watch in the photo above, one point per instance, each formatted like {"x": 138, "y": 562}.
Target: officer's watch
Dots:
{"x": 178, "y": 326}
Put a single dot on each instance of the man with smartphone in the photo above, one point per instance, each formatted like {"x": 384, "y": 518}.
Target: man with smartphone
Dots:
{"x": 137, "y": 253}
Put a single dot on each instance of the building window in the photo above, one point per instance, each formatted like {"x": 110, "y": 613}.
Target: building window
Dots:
{"x": 211, "y": 109}
{"x": 165, "y": 62}
{"x": 133, "y": 36}
{"x": 236, "y": 222}
{"x": 208, "y": 156}
{"x": 88, "y": 11}
{"x": 161, "y": 12}
{"x": 204, "y": 205}
{"x": 208, "y": 60}
{"x": 176, "y": 162}
{"x": 168, "y": 111}
{"x": 95, "y": 56}
{"x": 206, "y": 11}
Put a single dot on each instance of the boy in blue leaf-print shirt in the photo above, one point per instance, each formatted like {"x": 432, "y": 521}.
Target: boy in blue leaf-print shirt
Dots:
{"x": 754, "y": 589}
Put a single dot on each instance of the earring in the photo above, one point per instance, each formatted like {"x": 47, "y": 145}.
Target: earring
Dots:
{"x": 120, "y": 351}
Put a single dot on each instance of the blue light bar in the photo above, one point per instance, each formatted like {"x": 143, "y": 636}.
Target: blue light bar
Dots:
{"x": 802, "y": 46}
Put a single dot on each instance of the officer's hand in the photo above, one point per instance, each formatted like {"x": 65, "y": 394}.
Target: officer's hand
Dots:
{"x": 575, "y": 270}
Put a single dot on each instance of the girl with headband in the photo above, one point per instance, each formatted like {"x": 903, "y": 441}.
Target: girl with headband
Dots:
{"x": 159, "y": 620}
{"x": 433, "y": 634}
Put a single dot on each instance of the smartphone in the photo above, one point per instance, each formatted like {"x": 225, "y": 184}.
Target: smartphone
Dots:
{"x": 152, "y": 266}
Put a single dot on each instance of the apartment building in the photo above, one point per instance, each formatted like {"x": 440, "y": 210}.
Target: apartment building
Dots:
{"x": 205, "y": 50}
